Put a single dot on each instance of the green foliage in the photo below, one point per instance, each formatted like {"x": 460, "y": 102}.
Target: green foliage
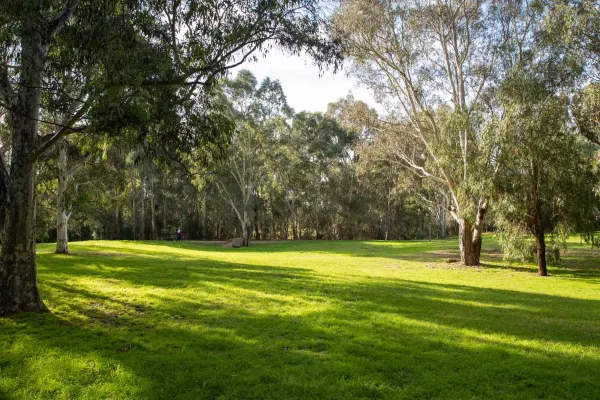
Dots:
{"x": 586, "y": 110}
{"x": 515, "y": 242}
{"x": 518, "y": 247}
{"x": 147, "y": 71}
{"x": 559, "y": 242}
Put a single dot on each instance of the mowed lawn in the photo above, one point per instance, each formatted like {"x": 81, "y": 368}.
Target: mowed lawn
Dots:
{"x": 304, "y": 320}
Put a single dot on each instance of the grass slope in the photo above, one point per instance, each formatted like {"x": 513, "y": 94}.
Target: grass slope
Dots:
{"x": 306, "y": 320}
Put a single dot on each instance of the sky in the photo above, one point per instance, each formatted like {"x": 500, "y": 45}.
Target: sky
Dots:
{"x": 304, "y": 88}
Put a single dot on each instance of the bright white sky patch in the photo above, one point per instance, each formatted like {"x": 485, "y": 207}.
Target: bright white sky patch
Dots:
{"x": 304, "y": 88}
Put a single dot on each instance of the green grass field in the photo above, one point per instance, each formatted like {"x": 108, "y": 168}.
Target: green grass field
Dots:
{"x": 304, "y": 320}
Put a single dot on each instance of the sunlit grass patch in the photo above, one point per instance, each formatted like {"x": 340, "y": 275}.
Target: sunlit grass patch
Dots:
{"x": 345, "y": 320}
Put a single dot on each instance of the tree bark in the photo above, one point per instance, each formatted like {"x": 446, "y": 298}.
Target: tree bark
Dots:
{"x": 257, "y": 234}
{"x": 443, "y": 219}
{"x": 273, "y": 223}
{"x": 317, "y": 221}
{"x": 117, "y": 224}
{"x": 245, "y": 229}
{"x": 387, "y": 214}
{"x": 18, "y": 272}
{"x": 478, "y": 228}
{"x": 470, "y": 236}
{"x": 62, "y": 218}
{"x": 164, "y": 215}
{"x": 538, "y": 226}
{"x": 540, "y": 246}
{"x": 143, "y": 214}
{"x": 18, "y": 276}
{"x": 468, "y": 255}
{"x": 133, "y": 209}
{"x": 293, "y": 218}
{"x": 153, "y": 211}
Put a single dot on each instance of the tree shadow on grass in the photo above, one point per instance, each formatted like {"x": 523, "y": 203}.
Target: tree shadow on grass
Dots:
{"x": 211, "y": 329}
{"x": 421, "y": 342}
{"x": 464, "y": 306}
{"x": 580, "y": 265}
{"x": 140, "y": 269}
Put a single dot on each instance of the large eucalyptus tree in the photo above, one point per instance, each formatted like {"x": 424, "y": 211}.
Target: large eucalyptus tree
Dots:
{"x": 431, "y": 62}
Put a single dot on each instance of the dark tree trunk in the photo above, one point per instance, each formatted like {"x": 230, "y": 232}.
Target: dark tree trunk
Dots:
{"x": 467, "y": 251}
{"x": 164, "y": 215}
{"x": 478, "y": 229}
{"x": 18, "y": 273}
{"x": 117, "y": 224}
{"x": 18, "y": 276}
{"x": 205, "y": 232}
{"x": 540, "y": 245}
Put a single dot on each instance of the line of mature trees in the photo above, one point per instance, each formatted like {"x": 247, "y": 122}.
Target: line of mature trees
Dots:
{"x": 285, "y": 176}
{"x": 118, "y": 120}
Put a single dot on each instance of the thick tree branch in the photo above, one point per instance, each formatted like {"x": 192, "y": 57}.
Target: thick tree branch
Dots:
{"x": 4, "y": 177}
{"x": 67, "y": 128}
{"x": 78, "y": 166}
{"x": 59, "y": 22}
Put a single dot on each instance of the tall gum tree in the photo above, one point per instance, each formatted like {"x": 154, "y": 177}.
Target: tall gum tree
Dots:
{"x": 258, "y": 110}
{"x": 66, "y": 171}
{"x": 431, "y": 63}
{"x": 107, "y": 63}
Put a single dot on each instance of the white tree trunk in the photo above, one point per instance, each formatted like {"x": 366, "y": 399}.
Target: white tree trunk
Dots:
{"x": 143, "y": 214}
{"x": 153, "y": 211}
{"x": 152, "y": 205}
{"x": 443, "y": 220}
{"x": 62, "y": 218}
{"x": 133, "y": 209}
{"x": 62, "y": 238}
